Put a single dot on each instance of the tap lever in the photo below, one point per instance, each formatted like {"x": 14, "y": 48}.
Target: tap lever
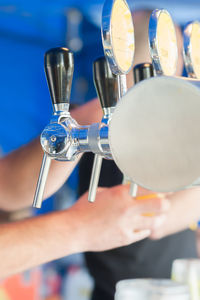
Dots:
{"x": 94, "y": 181}
{"x": 46, "y": 162}
{"x": 59, "y": 68}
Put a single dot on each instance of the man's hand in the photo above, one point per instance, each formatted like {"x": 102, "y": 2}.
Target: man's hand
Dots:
{"x": 184, "y": 211}
{"x": 116, "y": 219}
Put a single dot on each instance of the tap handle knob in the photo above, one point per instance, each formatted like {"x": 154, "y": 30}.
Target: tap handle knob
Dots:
{"x": 105, "y": 82}
{"x": 143, "y": 71}
{"x": 59, "y": 68}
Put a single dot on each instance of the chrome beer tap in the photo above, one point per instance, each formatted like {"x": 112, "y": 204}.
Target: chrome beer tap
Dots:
{"x": 59, "y": 67}
{"x": 107, "y": 91}
{"x": 119, "y": 48}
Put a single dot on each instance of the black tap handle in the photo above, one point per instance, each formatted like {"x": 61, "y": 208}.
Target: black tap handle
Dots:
{"x": 59, "y": 68}
{"x": 143, "y": 71}
{"x": 105, "y": 82}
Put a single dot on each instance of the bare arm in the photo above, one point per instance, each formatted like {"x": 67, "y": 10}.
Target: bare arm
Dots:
{"x": 20, "y": 169}
{"x": 115, "y": 220}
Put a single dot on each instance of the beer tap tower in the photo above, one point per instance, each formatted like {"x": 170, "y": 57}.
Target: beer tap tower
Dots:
{"x": 149, "y": 135}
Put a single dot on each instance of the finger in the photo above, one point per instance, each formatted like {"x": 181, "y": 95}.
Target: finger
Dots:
{"x": 152, "y": 206}
{"x": 158, "y": 233}
{"x": 140, "y": 235}
{"x": 101, "y": 189}
{"x": 145, "y": 197}
{"x": 150, "y": 223}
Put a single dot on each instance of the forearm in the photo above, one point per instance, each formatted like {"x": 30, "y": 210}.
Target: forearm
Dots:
{"x": 28, "y": 243}
{"x": 19, "y": 173}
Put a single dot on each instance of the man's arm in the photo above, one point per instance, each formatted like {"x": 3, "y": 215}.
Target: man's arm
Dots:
{"x": 19, "y": 170}
{"x": 114, "y": 220}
